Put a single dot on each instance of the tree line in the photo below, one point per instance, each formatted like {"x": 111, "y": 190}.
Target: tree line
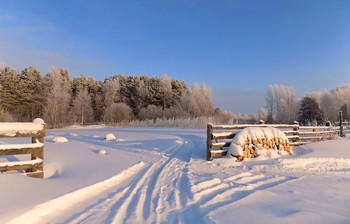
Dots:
{"x": 119, "y": 99}
{"x": 283, "y": 106}
{"x": 62, "y": 101}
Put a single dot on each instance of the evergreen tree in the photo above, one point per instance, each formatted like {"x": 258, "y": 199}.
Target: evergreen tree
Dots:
{"x": 344, "y": 110}
{"x": 33, "y": 89}
{"x": 12, "y": 93}
{"x": 310, "y": 112}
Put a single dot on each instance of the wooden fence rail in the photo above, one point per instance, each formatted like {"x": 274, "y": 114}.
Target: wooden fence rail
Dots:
{"x": 36, "y": 131}
{"x": 219, "y": 137}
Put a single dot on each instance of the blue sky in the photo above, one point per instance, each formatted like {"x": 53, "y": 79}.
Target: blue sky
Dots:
{"x": 237, "y": 48}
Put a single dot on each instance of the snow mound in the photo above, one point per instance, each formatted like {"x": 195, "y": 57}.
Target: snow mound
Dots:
{"x": 59, "y": 139}
{"x": 110, "y": 137}
{"x": 102, "y": 152}
{"x": 253, "y": 141}
{"x": 38, "y": 121}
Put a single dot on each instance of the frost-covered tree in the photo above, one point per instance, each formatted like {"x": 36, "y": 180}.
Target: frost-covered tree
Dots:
{"x": 281, "y": 104}
{"x": 309, "y": 112}
{"x": 6, "y": 116}
{"x": 270, "y": 104}
{"x": 151, "y": 112}
{"x": 117, "y": 112}
{"x": 328, "y": 105}
{"x": 82, "y": 108}
{"x": 161, "y": 91}
{"x": 166, "y": 90}
{"x": 315, "y": 95}
{"x": 58, "y": 98}
{"x": 110, "y": 91}
{"x": 197, "y": 101}
{"x": 342, "y": 95}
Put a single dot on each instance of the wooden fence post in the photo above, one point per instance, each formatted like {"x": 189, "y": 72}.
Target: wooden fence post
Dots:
{"x": 33, "y": 167}
{"x": 209, "y": 141}
{"x": 296, "y": 133}
{"x": 341, "y": 123}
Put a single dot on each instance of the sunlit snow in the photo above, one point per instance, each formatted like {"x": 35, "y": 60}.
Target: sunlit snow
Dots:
{"x": 159, "y": 175}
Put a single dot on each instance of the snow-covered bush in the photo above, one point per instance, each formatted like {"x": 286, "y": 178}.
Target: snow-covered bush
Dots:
{"x": 102, "y": 152}
{"x": 59, "y": 139}
{"x": 110, "y": 137}
{"x": 252, "y": 142}
{"x": 38, "y": 121}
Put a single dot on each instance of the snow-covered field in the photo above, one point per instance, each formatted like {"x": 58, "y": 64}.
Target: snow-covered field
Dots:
{"x": 157, "y": 175}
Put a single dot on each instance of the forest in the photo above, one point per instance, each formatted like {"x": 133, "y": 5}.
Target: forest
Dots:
{"x": 120, "y": 99}
{"x": 62, "y": 101}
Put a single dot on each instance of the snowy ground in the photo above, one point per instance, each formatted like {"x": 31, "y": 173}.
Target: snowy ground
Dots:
{"x": 161, "y": 176}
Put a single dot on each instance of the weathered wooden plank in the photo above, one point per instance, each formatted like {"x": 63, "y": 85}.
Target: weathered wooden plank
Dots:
{"x": 220, "y": 144}
{"x": 297, "y": 143}
{"x": 22, "y": 129}
{"x": 241, "y": 126}
{"x": 18, "y": 149}
{"x": 36, "y": 174}
{"x": 218, "y": 153}
{"x": 293, "y": 137}
{"x": 223, "y": 135}
{"x": 292, "y": 132}
{"x": 21, "y": 165}
{"x": 315, "y": 132}
{"x": 36, "y": 149}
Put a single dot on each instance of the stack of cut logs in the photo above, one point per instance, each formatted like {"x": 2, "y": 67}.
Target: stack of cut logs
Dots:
{"x": 250, "y": 146}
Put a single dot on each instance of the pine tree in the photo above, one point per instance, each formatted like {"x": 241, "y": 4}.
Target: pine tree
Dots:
{"x": 309, "y": 112}
{"x": 33, "y": 89}
{"x": 12, "y": 93}
{"x": 344, "y": 110}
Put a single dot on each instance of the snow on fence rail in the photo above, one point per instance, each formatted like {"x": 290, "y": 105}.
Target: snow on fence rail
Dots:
{"x": 342, "y": 129}
{"x": 219, "y": 137}
{"x": 33, "y": 167}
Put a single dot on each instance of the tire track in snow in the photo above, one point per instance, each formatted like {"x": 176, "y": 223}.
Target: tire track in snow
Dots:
{"x": 158, "y": 191}
{"x": 213, "y": 194}
{"x": 53, "y": 208}
{"x": 150, "y": 195}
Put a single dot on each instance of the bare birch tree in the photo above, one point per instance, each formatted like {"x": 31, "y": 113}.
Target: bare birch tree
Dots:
{"x": 328, "y": 105}
{"x": 281, "y": 104}
{"x": 58, "y": 98}
{"x": 82, "y": 108}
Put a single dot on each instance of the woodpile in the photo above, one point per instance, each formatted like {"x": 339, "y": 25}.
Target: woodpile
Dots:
{"x": 250, "y": 146}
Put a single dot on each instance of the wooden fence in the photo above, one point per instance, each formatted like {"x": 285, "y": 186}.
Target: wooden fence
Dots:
{"x": 219, "y": 137}
{"x": 36, "y": 131}
{"x": 342, "y": 129}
